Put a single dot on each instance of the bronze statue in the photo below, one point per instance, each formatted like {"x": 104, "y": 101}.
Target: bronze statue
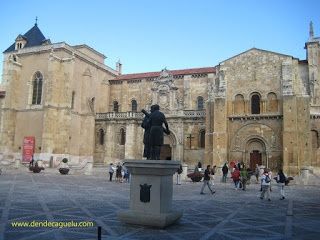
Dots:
{"x": 146, "y": 126}
{"x": 153, "y": 135}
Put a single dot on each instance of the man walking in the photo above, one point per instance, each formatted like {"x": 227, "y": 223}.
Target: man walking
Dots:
{"x": 265, "y": 184}
{"x": 206, "y": 180}
{"x": 225, "y": 173}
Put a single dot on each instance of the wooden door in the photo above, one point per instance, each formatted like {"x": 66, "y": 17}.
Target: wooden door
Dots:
{"x": 255, "y": 158}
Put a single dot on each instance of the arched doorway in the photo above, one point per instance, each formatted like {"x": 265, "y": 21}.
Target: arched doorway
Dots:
{"x": 256, "y": 153}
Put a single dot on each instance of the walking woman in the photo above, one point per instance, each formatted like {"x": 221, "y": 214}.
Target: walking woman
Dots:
{"x": 281, "y": 179}
{"x": 206, "y": 180}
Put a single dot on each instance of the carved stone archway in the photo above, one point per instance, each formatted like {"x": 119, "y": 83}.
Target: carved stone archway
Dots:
{"x": 255, "y": 152}
{"x": 170, "y": 142}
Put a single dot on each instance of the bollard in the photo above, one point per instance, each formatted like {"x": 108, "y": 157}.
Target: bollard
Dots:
{"x": 99, "y": 233}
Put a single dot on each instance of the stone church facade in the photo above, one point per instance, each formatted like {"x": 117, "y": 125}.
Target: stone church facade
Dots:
{"x": 259, "y": 107}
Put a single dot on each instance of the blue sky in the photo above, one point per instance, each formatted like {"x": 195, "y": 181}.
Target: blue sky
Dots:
{"x": 150, "y": 35}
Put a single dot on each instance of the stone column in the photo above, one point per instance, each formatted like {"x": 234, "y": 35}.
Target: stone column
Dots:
{"x": 110, "y": 142}
{"x": 184, "y": 171}
{"x": 130, "y": 141}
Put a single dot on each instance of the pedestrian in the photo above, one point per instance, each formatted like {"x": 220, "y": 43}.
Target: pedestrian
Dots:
{"x": 265, "y": 183}
{"x": 206, "y": 180}
{"x": 179, "y": 171}
{"x": 213, "y": 171}
{"x": 236, "y": 177}
{"x": 126, "y": 174}
{"x": 244, "y": 176}
{"x": 270, "y": 175}
{"x": 199, "y": 166}
{"x": 281, "y": 179}
{"x": 118, "y": 173}
{"x": 257, "y": 173}
{"x": 224, "y": 173}
{"x": 31, "y": 162}
{"x": 111, "y": 171}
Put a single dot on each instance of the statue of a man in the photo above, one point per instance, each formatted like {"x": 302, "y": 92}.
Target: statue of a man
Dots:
{"x": 157, "y": 119}
{"x": 146, "y": 136}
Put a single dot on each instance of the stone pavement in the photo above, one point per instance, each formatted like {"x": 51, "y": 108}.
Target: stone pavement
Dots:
{"x": 228, "y": 214}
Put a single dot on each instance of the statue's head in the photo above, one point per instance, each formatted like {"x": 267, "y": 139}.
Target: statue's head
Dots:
{"x": 156, "y": 107}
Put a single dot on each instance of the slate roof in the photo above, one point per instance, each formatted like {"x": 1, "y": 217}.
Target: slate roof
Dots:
{"x": 173, "y": 72}
{"x": 34, "y": 37}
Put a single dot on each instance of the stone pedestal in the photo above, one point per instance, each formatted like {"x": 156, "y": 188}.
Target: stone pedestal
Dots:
{"x": 151, "y": 187}
{"x": 88, "y": 168}
{"x": 184, "y": 172}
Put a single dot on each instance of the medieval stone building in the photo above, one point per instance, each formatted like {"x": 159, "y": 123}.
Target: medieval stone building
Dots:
{"x": 259, "y": 107}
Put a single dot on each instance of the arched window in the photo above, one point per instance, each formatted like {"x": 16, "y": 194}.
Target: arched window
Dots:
{"x": 200, "y": 103}
{"x": 202, "y": 138}
{"x": 315, "y": 139}
{"x": 37, "y": 88}
{"x": 101, "y": 136}
{"x": 239, "y": 104}
{"x": 134, "y": 105}
{"x": 122, "y": 136}
{"x": 115, "y": 106}
{"x": 72, "y": 99}
{"x": 255, "y": 104}
{"x": 272, "y": 102}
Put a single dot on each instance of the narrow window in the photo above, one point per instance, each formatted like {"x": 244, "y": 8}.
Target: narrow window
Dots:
{"x": 200, "y": 103}
{"x": 134, "y": 106}
{"x": 315, "y": 139}
{"x": 37, "y": 88}
{"x": 72, "y": 99}
{"x": 101, "y": 136}
{"x": 202, "y": 138}
{"x": 239, "y": 104}
{"x": 255, "y": 104}
{"x": 115, "y": 106}
{"x": 122, "y": 136}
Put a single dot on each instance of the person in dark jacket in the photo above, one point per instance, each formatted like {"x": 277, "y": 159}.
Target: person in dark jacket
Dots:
{"x": 206, "y": 180}
{"x": 224, "y": 172}
{"x": 235, "y": 175}
{"x": 281, "y": 179}
{"x": 157, "y": 119}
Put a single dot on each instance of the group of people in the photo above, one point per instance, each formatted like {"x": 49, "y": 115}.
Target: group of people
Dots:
{"x": 266, "y": 183}
{"x": 122, "y": 173}
{"x": 241, "y": 175}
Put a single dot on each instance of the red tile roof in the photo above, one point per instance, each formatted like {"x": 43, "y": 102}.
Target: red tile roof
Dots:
{"x": 173, "y": 72}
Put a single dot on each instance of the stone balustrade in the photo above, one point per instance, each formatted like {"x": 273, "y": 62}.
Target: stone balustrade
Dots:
{"x": 139, "y": 115}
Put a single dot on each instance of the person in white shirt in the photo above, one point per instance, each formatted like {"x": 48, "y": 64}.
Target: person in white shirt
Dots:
{"x": 111, "y": 171}
{"x": 265, "y": 183}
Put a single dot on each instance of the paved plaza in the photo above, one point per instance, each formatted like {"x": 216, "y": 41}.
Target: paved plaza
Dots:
{"x": 228, "y": 214}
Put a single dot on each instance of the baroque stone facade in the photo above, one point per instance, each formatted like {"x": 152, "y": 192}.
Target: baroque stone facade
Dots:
{"x": 259, "y": 107}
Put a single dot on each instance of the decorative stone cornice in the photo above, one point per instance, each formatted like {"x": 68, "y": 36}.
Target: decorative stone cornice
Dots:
{"x": 314, "y": 116}
{"x": 255, "y": 117}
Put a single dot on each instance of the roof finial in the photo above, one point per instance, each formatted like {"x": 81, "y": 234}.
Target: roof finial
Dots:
{"x": 36, "y": 21}
{"x": 311, "y": 34}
